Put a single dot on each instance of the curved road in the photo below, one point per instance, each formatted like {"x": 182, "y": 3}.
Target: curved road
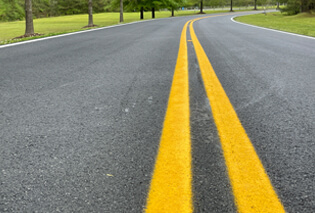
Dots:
{"x": 81, "y": 116}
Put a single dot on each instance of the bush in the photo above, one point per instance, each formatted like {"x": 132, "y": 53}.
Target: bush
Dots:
{"x": 292, "y": 8}
{"x": 296, "y": 6}
{"x": 10, "y": 10}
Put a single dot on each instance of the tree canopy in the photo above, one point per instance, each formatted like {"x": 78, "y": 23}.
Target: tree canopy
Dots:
{"x": 11, "y": 10}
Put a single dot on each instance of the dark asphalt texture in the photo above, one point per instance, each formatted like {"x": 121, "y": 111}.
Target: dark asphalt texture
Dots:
{"x": 269, "y": 78}
{"x": 81, "y": 116}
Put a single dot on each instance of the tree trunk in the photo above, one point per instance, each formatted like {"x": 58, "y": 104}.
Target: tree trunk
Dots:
{"x": 278, "y": 6}
{"x": 231, "y": 10}
{"x": 90, "y": 14}
{"x": 172, "y": 12}
{"x": 153, "y": 12}
{"x": 255, "y": 5}
{"x": 29, "y": 27}
{"x": 141, "y": 13}
{"x": 201, "y": 6}
{"x": 304, "y": 6}
{"x": 121, "y": 11}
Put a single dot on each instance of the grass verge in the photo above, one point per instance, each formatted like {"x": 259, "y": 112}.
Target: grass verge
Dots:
{"x": 73, "y": 23}
{"x": 303, "y": 23}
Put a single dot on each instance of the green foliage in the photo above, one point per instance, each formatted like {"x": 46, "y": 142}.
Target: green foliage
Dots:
{"x": 292, "y": 8}
{"x": 175, "y": 4}
{"x": 70, "y": 7}
{"x": 136, "y": 5}
{"x": 10, "y": 10}
{"x": 296, "y": 6}
{"x": 72, "y": 23}
{"x": 303, "y": 23}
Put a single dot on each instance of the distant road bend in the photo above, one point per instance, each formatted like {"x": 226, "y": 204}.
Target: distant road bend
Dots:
{"x": 186, "y": 114}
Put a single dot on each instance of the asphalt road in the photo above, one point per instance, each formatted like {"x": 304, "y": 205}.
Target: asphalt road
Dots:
{"x": 81, "y": 116}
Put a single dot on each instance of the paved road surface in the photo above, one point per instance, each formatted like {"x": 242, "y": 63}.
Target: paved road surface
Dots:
{"x": 81, "y": 116}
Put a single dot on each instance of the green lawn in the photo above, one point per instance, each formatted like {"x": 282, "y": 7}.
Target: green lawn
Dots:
{"x": 65, "y": 24}
{"x": 303, "y": 24}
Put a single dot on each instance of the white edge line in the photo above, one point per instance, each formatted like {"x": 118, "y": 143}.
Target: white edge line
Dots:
{"x": 294, "y": 34}
{"x": 73, "y": 33}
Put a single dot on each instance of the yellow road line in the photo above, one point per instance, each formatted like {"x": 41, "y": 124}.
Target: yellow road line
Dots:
{"x": 251, "y": 186}
{"x": 170, "y": 189}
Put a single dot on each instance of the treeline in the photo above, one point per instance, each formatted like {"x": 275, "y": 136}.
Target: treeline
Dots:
{"x": 11, "y": 10}
{"x": 298, "y": 6}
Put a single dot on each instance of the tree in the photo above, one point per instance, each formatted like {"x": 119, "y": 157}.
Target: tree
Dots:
{"x": 294, "y": 7}
{"x": 201, "y": 7}
{"x": 142, "y": 5}
{"x": 141, "y": 12}
{"x": 173, "y": 5}
{"x": 137, "y": 5}
{"x": 231, "y": 10}
{"x": 121, "y": 4}
{"x": 155, "y": 4}
{"x": 146, "y": 5}
{"x": 121, "y": 11}
{"x": 90, "y": 14}
{"x": 29, "y": 26}
{"x": 255, "y": 4}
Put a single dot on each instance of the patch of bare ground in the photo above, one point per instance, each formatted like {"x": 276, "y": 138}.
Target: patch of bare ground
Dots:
{"x": 87, "y": 26}
{"x": 25, "y": 36}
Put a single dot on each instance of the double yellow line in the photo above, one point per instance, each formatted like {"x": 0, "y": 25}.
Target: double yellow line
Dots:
{"x": 171, "y": 185}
